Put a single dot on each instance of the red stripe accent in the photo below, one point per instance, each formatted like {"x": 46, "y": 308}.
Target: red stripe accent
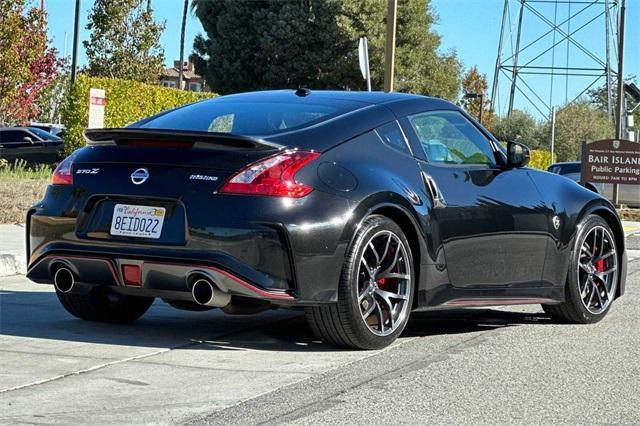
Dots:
{"x": 112, "y": 268}
{"x": 270, "y": 294}
{"x": 488, "y": 302}
{"x": 251, "y": 287}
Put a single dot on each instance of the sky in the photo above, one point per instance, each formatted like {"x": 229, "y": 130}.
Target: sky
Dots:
{"x": 470, "y": 27}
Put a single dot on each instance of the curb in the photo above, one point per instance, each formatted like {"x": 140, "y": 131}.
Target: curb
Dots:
{"x": 12, "y": 265}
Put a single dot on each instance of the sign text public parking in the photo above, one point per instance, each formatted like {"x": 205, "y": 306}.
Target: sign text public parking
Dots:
{"x": 611, "y": 161}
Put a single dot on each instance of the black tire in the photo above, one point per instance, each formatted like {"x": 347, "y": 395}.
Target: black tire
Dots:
{"x": 573, "y": 310}
{"x": 341, "y": 324}
{"x": 103, "y": 305}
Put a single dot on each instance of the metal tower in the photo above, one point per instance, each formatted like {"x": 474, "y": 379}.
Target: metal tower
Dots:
{"x": 565, "y": 47}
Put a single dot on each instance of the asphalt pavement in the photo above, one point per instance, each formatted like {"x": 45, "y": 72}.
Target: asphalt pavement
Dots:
{"x": 506, "y": 365}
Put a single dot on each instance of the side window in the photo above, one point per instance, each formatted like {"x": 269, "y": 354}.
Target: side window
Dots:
{"x": 13, "y": 136}
{"x": 392, "y": 136}
{"x": 447, "y": 137}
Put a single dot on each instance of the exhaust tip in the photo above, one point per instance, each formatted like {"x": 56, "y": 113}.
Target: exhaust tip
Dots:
{"x": 63, "y": 280}
{"x": 202, "y": 291}
{"x": 206, "y": 293}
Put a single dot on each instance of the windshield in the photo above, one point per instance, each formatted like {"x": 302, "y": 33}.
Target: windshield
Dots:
{"x": 247, "y": 118}
{"x": 43, "y": 135}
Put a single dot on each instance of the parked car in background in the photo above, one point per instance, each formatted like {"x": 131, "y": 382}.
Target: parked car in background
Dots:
{"x": 54, "y": 129}
{"x": 627, "y": 194}
{"x": 30, "y": 144}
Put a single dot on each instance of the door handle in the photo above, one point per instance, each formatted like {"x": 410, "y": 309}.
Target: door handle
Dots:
{"x": 434, "y": 191}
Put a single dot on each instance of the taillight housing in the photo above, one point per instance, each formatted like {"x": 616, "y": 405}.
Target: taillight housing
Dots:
{"x": 63, "y": 174}
{"x": 274, "y": 176}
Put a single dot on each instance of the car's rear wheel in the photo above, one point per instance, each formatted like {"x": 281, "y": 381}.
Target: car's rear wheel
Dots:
{"x": 102, "y": 304}
{"x": 593, "y": 275}
{"x": 375, "y": 290}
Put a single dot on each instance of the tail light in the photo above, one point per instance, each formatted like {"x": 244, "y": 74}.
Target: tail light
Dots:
{"x": 63, "y": 174}
{"x": 273, "y": 176}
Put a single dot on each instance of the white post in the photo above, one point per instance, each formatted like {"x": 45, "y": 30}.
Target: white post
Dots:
{"x": 553, "y": 132}
{"x": 363, "y": 56}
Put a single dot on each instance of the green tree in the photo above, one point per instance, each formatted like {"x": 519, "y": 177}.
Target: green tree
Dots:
{"x": 577, "y": 122}
{"x": 475, "y": 82}
{"x": 124, "y": 41}
{"x": 519, "y": 126}
{"x": 598, "y": 97}
{"x": 252, "y": 45}
{"x": 27, "y": 63}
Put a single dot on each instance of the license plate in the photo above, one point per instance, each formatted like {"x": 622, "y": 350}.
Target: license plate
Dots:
{"x": 137, "y": 221}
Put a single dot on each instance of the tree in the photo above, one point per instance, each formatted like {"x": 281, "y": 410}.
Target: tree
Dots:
{"x": 27, "y": 63}
{"x": 519, "y": 126}
{"x": 475, "y": 82}
{"x": 124, "y": 41}
{"x": 252, "y": 45}
{"x": 577, "y": 122}
{"x": 598, "y": 97}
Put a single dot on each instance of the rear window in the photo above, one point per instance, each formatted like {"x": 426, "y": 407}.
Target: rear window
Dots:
{"x": 247, "y": 118}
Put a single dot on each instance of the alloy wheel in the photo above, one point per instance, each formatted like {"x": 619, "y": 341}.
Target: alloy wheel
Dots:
{"x": 384, "y": 283}
{"x": 597, "y": 270}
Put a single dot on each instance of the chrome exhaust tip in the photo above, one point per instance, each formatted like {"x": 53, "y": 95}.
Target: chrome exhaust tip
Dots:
{"x": 63, "y": 280}
{"x": 205, "y": 293}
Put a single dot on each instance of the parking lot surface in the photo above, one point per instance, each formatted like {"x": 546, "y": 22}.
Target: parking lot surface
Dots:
{"x": 462, "y": 366}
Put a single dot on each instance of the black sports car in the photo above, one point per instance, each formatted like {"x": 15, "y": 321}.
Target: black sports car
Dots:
{"x": 359, "y": 207}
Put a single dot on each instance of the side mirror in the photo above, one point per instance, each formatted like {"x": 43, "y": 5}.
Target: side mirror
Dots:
{"x": 27, "y": 139}
{"x": 517, "y": 155}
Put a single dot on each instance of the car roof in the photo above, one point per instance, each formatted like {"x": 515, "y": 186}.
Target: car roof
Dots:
{"x": 393, "y": 100}
{"x": 14, "y": 128}
{"x": 565, "y": 163}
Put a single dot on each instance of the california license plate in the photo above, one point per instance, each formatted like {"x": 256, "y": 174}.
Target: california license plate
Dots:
{"x": 137, "y": 221}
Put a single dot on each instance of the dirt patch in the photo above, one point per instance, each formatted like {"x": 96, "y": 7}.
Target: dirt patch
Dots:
{"x": 629, "y": 214}
{"x": 17, "y": 195}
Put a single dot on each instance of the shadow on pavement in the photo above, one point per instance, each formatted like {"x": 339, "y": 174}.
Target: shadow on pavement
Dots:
{"x": 39, "y": 315}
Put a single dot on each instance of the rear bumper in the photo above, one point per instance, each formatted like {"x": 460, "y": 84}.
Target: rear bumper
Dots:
{"x": 277, "y": 248}
{"x": 164, "y": 278}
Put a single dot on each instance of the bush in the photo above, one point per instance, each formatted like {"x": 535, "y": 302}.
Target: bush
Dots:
{"x": 540, "y": 159}
{"x": 127, "y": 102}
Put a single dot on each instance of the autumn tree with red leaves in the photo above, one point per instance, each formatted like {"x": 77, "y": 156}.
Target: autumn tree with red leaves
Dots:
{"x": 27, "y": 63}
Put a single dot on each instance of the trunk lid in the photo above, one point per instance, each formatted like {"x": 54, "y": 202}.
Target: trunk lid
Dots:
{"x": 165, "y": 169}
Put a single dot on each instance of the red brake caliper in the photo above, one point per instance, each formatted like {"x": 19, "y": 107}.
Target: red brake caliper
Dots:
{"x": 600, "y": 265}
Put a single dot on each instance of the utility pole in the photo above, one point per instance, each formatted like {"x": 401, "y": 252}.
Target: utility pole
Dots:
{"x": 74, "y": 55}
{"x": 620, "y": 107}
{"x": 390, "y": 50}
{"x": 182, "y": 31}
{"x": 553, "y": 132}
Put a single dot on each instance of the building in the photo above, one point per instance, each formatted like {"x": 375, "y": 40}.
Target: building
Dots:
{"x": 191, "y": 81}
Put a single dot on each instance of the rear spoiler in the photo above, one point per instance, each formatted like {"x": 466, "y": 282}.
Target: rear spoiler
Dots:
{"x": 202, "y": 139}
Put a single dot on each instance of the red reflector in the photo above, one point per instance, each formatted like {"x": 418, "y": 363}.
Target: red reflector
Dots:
{"x": 132, "y": 275}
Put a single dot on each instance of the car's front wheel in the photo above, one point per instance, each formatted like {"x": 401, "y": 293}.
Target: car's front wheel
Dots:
{"x": 375, "y": 291}
{"x": 593, "y": 275}
{"x": 102, "y": 304}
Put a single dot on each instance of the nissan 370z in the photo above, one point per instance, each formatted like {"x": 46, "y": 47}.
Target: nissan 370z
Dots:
{"x": 358, "y": 207}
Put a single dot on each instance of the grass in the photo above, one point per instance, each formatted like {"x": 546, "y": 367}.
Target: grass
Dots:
{"x": 21, "y": 185}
